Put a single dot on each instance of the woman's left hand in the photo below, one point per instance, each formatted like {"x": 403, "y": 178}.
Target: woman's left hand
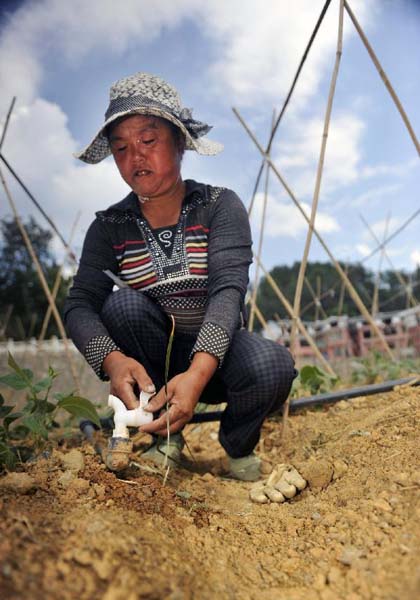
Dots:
{"x": 183, "y": 393}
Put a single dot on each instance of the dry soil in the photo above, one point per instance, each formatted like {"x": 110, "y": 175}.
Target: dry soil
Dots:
{"x": 70, "y": 530}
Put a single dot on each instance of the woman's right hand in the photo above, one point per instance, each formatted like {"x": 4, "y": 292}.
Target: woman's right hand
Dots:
{"x": 124, "y": 373}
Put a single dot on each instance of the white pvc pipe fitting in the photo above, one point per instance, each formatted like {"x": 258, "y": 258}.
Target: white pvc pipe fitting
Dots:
{"x": 123, "y": 418}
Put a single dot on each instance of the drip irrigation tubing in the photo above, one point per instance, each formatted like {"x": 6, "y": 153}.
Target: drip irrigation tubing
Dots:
{"x": 87, "y": 427}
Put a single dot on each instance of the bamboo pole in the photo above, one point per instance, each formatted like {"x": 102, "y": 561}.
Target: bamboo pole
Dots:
{"x": 369, "y": 256}
{"x": 302, "y": 268}
{"x": 39, "y": 207}
{"x": 57, "y": 282}
{"x": 350, "y": 288}
{"x": 375, "y": 299}
{"x": 316, "y": 298}
{"x": 6, "y": 320}
{"x": 260, "y": 317}
{"x": 342, "y": 290}
{"x": 300, "y": 325}
{"x": 6, "y": 123}
{"x": 383, "y": 76}
{"x": 260, "y": 241}
{"x": 404, "y": 284}
{"x": 42, "y": 281}
{"x": 289, "y": 95}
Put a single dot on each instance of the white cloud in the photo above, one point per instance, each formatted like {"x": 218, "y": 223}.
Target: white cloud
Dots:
{"x": 262, "y": 45}
{"x": 259, "y": 46}
{"x": 363, "y": 249}
{"x": 415, "y": 257}
{"x": 372, "y": 196}
{"x": 298, "y": 158}
{"x": 258, "y": 49}
{"x": 39, "y": 146}
{"x": 390, "y": 170}
{"x": 284, "y": 219}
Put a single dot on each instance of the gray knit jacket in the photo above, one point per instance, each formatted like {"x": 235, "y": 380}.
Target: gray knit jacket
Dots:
{"x": 205, "y": 278}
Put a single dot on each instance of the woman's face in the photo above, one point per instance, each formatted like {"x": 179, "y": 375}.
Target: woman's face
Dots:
{"x": 147, "y": 155}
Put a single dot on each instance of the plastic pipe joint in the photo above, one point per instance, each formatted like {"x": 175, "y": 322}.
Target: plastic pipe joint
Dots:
{"x": 124, "y": 418}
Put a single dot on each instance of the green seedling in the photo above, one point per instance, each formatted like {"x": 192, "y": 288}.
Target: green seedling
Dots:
{"x": 33, "y": 423}
{"x": 313, "y": 380}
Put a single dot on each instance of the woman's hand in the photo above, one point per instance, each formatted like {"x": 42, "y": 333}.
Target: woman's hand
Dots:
{"x": 183, "y": 393}
{"x": 124, "y": 373}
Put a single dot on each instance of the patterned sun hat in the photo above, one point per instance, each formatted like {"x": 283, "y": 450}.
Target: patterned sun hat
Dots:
{"x": 145, "y": 94}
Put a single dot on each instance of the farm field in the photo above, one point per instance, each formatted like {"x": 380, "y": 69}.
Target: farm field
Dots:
{"x": 74, "y": 531}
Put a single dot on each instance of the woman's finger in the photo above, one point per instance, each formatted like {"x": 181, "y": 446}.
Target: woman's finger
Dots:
{"x": 158, "y": 401}
{"x": 143, "y": 380}
{"x": 124, "y": 391}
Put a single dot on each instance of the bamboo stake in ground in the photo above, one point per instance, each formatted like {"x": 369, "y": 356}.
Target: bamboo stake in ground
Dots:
{"x": 43, "y": 281}
{"x": 302, "y": 268}
{"x": 260, "y": 241}
{"x": 354, "y": 295}
{"x": 300, "y": 325}
{"x": 57, "y": 282}
{"x": 342, "y": 290}
{"x": 383, "y": 76}
{"x": 375, "y": 299}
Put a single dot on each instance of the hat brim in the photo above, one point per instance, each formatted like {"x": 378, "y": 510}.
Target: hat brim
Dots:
{"x": 99, "y": 147}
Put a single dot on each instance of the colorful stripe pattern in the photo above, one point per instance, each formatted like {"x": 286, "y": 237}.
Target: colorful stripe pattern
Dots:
{"x": 135, "y": 264}
{"x": 196, "y": 246}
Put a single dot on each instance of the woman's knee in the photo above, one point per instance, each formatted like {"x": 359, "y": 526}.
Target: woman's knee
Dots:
{"x": 274, "y": 371}
{"x": 127, "y": 306}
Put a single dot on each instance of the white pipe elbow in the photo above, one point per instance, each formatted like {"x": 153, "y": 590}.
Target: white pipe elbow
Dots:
{"x": 124, "y": 418}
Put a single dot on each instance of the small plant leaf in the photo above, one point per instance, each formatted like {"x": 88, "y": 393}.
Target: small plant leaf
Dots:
{"x": 80, "y": 407}
{"x": 5, "y": 410}
{"x": 7, "y": 457}
{"x": 25, "y": 374}
{"x": 36, "y": 425}
{"x": 43, "y": 384}
{"x": 10, "y": 418}
{"x": 14, "y": 381}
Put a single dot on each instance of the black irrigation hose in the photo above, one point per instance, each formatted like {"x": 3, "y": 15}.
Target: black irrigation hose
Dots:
{"x": 88, "y": 428}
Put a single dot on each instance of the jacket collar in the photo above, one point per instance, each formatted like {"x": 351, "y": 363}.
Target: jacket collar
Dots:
{"x": 131, "y": 204}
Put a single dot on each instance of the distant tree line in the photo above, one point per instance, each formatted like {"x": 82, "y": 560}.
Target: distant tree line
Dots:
{"x": 22, "y": 301}
{"x": 323, "y": 278}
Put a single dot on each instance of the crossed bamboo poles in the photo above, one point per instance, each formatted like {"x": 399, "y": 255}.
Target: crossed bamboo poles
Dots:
{"x": 38, "y": 268}
{"x": 267, "y": 161}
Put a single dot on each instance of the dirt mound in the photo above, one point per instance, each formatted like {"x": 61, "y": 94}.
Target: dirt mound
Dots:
{"x": 76, "y": 531}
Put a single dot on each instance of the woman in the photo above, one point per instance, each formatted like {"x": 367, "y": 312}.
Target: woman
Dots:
{"x": 182, "y": 248}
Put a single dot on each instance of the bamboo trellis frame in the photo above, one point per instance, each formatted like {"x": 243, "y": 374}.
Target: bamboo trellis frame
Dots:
{"x": 261, "y": 237}
{"x": 375, "y": 298}
{"x": 411, "y": 299}
{"x": 57, "y": 282}
{"x": 350, "y": 288}
{"x": 42, "y": 280}
{"x": 320, "y": 169}
{"x": 300, "y": 325}
{"x": 288, "y": 97}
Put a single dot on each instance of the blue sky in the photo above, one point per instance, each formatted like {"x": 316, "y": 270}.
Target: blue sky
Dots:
{"x": 60, "y": 58}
